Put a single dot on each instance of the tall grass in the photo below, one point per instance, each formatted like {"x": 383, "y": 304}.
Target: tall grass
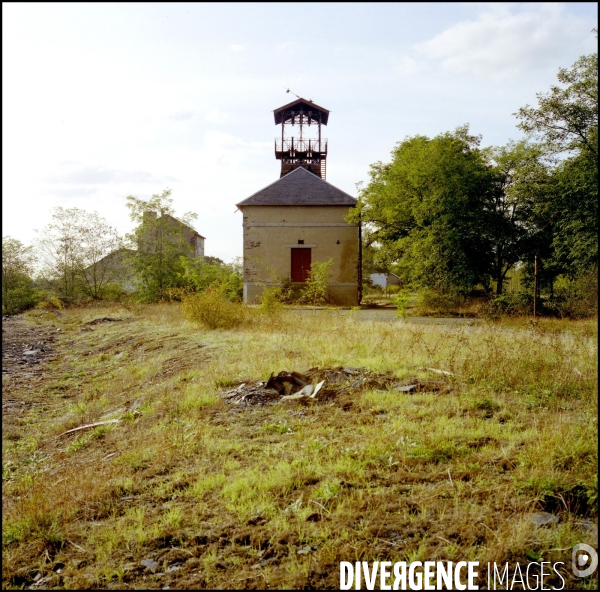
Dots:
{"x": 216, "y": 489}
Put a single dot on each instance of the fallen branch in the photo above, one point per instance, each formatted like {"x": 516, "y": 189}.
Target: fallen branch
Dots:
{"x": 436, "y": 371}
{"x": 89, "y": 426}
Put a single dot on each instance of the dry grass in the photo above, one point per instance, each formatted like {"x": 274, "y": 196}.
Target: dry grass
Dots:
{"x": 277, "y": 496}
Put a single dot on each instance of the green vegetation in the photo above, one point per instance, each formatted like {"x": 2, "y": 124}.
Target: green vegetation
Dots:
{"x": 316, "y": 289}
{"x": 202, "y": 273}
{"x": 18, "y": 291}
{"x": 161, "y": 247}
{"x": 448, "y": 216}
{"x": 72, "y": 251}
{"x": 222, "y": 495}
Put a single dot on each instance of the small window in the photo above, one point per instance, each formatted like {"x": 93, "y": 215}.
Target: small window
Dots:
{"x": 300, "y": 242}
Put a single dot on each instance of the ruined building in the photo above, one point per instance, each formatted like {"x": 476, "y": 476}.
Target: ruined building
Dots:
{"x": 300, "y": 218}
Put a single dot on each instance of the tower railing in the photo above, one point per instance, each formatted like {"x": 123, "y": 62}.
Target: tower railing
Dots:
{"x": 294, "y": 145}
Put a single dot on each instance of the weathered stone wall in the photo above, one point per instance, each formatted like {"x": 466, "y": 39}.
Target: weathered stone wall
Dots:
{"x": 270, "y": 232}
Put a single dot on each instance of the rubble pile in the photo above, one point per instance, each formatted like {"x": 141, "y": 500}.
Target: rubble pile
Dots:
{"x": 319, "y": 384}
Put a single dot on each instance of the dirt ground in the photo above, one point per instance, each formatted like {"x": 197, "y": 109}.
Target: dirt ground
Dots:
{"x": 213, "y": 479}
{"x": 26, "y": 351}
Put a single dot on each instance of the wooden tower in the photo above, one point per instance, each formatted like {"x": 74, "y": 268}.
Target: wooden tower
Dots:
{"x": 301, "y": 151}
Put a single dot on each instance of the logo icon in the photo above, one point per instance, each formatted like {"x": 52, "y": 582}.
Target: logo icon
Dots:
{"x": 585, "y": 560}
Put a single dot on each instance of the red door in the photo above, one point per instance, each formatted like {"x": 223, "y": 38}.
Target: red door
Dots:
{"x": 300, "y": 264}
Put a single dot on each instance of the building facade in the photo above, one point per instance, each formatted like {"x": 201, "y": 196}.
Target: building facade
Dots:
{"x": 298, "y": 220}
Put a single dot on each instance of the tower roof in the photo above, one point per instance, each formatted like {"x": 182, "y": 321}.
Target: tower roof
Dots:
{"x": 299, "y": 188}
{"x": 311, "y": 110}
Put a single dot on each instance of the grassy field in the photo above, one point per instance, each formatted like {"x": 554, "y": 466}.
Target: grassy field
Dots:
{"x": 210, "y": 494}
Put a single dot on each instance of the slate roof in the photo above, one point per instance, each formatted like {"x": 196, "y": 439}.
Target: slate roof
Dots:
{"x": 299, "y": 188}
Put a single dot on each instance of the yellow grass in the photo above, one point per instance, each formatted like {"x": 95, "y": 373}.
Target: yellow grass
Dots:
{"x": 227, "y": 496}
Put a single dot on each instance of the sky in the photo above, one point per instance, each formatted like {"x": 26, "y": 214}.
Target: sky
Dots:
{"x": 102, "y": 101}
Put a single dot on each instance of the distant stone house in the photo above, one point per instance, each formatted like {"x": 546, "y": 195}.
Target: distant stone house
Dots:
{"x": 193, "y": 238}
{"x": 293, "y": 222}
{"x": 116, "y": 266}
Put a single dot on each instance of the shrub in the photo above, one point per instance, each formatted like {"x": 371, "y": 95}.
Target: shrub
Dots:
{"x": 575, "y": 299}
{"x": 401, "y": 301}
{"x": 271, "y": 299}
{"x": 517, "y": 304}
{"x": 51, "y": 302}
{"x": 211, "y": 309}
{"x": 431, "y": 302}
{"x": 19, "y": 298}
{"x": 317, "y": 286}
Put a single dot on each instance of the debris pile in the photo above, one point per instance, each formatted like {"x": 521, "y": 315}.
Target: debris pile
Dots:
{"x": 319, "y": 384}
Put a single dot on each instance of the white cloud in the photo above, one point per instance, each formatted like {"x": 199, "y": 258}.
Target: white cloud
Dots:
{"x": 507, "y": 40}
{"x": 237, "y": 48}
{"x": 217, "y": 116}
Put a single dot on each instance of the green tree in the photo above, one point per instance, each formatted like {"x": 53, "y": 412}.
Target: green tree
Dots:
{"x": 522, "y": 178}
{"x": 161, "y": 245}
{"x": 18, "y": 292}
{"x": 566, "y": 118}
{"x": 426, "y": 210}
{"x": 73, "y": 250}
{"x": 566, "y": 121}
{"x": 201, "y": 273}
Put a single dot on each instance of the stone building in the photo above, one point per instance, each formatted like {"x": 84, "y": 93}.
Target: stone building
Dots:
{"x": 194, "y": 239}
{"x": 300, "y": 218}
{"x": 116, "y": 267}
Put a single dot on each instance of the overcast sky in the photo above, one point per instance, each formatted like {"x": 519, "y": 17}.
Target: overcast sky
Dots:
{"x": 101, "y": 101}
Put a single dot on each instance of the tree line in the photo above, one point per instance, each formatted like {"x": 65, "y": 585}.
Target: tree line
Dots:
{"x": 80, "y": 258}
{"x": 449, "y": 216}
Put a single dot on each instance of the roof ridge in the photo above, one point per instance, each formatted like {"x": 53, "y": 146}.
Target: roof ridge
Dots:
{"x": 299, "y": 188}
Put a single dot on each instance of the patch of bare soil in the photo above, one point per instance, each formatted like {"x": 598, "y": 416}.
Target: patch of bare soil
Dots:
{"x": 326, "y": 384}
{"x": 26, "y": 351}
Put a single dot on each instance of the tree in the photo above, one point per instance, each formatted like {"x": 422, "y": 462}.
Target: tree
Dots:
{"x": 161, "y": 245}
{"x": 425, "y": 211}
{"x": 18, "y": 292}
{"x": 521, "y": 179}
{"x": 572, "y": 209}
{"x": 73, "y": 249}
{"x": 202, "y": 273}
{"x": 566, "y": 121}
{"x": 566, "y": 118}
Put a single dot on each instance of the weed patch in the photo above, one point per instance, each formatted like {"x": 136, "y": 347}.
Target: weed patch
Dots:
{"x": 422, "y": 443}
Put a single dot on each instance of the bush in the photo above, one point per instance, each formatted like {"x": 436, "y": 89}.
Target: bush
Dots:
{"x": 517, "y": 304}
{"x": 430, "y": 302}
{"x": 575, "y": 299}
{"x": 316, "y": 288}
{"x": 200, "y": 274}
{"x": 401, "y": 301}
{"x": 271, "y": 299}
{"x": 19, "y": 298}
{"x": 212, "y": 310}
